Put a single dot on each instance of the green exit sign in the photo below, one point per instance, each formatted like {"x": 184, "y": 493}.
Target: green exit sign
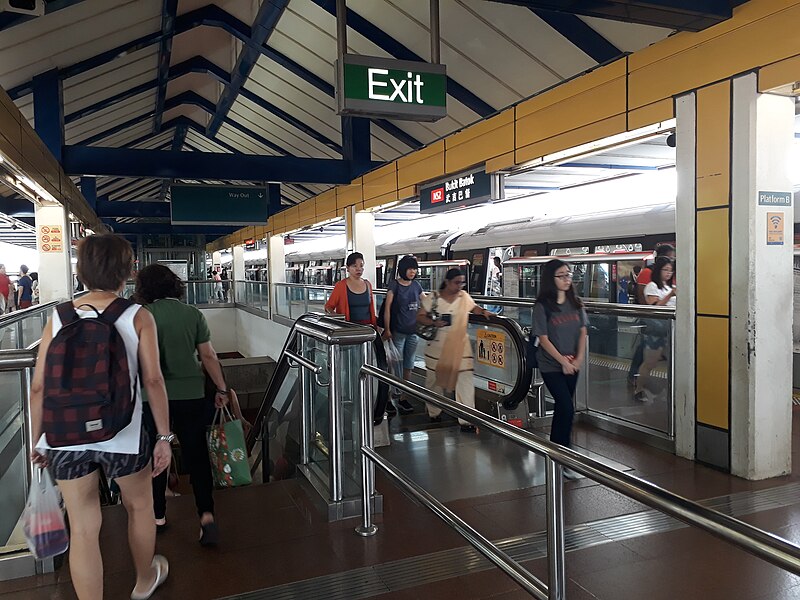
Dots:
{"x": 400, "y": 89}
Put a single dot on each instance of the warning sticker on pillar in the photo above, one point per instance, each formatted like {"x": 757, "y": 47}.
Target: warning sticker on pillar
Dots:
{"x": 775, "y": 226}
{"x": 51, "y": 238}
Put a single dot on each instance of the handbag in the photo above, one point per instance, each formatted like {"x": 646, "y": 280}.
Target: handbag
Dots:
{"x": 227, "y": 451}
{"x": 43, "y": 520}
{"x": 428, "y": 332}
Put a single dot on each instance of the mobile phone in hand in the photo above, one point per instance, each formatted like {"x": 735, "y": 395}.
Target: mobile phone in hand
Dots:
{"x": 446, "y": 318}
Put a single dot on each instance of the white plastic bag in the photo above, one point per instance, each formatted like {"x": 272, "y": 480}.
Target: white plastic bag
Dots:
{"x": 394, "y": 364}
{"x": 43, "y": 520}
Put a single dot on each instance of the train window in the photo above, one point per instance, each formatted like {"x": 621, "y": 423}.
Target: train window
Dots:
{"x": 625, "y": 281}
{"x": 424, "y": 277}
{"x": 612, "y": 249}
{"x": 598, "y": 282}
{"x": 569, "y": 251}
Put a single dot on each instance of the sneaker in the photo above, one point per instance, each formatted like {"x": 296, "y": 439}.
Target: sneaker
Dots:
{"x": 642, "y": 396}
{"x": 404, "y": 406}
{"x": 468, "y": 429}
{"x": 571, "y": 474}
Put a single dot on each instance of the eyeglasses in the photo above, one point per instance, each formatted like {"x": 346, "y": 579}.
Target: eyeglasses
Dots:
{"x": 564, "y": 276}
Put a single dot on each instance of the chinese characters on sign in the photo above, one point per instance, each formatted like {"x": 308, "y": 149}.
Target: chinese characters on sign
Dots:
{"x": 466, "y": 189}
{"x": 51, "y": 238}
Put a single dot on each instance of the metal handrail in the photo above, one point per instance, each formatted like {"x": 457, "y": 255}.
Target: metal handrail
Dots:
{"x": 760, "y": 543}
{"x": 25, "y": 313}
{"x": 633, "y": 310}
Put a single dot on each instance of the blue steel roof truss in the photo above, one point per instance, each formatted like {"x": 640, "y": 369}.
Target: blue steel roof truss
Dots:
{"x": 168, "y": 14}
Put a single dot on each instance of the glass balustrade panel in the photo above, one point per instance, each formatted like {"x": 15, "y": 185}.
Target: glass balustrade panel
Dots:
{"x": 629, "y": 369}
{"x": 13, "y": 462}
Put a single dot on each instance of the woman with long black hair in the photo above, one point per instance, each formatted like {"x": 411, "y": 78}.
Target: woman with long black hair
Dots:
{"x": 560, "y": 323}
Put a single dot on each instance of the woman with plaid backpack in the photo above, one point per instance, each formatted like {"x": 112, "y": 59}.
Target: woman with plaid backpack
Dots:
{"x": 95, "y": 355}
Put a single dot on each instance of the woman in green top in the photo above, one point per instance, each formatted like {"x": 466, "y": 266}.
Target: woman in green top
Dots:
{"x": 182, "y": 334}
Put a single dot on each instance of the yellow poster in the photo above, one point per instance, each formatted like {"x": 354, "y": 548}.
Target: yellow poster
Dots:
{"x": 775, "y": 228}
{"x": 491, "y": 348}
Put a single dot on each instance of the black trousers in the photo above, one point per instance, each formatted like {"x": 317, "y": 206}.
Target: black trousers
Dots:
{"x": 562, "y": 388}
{"x": 189, "y": 420}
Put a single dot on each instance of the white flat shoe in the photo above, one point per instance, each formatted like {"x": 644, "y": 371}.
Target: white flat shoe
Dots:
{"x": 161, "y": 566}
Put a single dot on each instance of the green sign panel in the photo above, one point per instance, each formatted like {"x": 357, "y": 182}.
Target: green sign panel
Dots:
{"x": 401, "y": 89}
{"x": 218, "y": 205}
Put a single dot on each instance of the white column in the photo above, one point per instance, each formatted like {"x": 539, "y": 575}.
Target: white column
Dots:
{"x": 276, "y": 258}
{"x": 684, "y": 358}
{"x": 53, "y": 244}
{"x": 238, "y": 263}
{"x": 761, "y": 285}
{"x": 360, "y": 228}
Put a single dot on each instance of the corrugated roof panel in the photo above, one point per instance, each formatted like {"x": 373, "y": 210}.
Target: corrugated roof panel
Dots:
{"x": 108, "y": 117}
{"x": 530, "y": 39}
{"x": 97, "y": 124}
{"x": 73, "y": 35}
{"x": 238, "y": 140}
{"x": 628, "y": 37}
{"x": 202, "y": 84}
{"x": 132, "y": 133}
{"x": 213, "y": 43}
{"x": 83, "y": 92}
{"x": 203, "y": 143}
{"x": 276, "y": 129}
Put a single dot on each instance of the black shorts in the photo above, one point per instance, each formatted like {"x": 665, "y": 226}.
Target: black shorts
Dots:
{"x": 71, "y": 464}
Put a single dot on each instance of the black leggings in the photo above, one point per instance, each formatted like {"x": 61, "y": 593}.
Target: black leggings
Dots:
{"x": 190, "y": 420}
{"x": 562, "y": 388}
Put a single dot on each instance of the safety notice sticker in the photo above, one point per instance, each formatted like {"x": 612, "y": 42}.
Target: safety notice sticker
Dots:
{"x": 491, "y": 348}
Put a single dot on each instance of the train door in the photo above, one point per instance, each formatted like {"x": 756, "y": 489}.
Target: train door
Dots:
{"x": 477, "y": 277}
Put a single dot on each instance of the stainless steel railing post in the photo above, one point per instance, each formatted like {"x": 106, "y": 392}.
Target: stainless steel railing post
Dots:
{"x": 556, "y": 558}
{"x": 19, "y": 330}
{"x": 367, "y": 527}
{"x": 305, "y": 411}
{"x": 335, "y": 419}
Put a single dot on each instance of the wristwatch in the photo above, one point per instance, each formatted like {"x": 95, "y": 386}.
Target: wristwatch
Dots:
{"x": 169, "y": 438}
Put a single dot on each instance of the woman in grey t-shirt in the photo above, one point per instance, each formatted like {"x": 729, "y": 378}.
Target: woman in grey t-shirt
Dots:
{"x": 559, "y": 321}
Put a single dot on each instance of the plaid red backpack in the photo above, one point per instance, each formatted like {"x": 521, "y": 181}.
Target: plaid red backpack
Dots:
{"x": 87, "y": 383}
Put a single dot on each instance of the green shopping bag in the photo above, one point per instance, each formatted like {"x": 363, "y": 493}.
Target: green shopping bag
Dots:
{"x": 227, "y": 451}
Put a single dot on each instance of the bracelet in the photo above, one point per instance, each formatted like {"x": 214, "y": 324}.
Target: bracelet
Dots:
{"x": 223, "y": 392}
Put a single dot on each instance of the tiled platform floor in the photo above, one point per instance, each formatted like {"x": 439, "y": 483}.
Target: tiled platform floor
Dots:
{"x": 272, "y": 536}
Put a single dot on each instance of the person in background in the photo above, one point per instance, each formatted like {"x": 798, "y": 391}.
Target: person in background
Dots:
{"x": 448, "y": 357}
{"x": 35, "y": 287}
{"x": 226, "y": 284}
{"x": 183, "y": 333}
{"x": 218, "y": 294}
{"x": 6, "y": 299}
{"x": 404, "y": 294}
{"x": 496, "y": 272}
{"x": 24, "y": 288}
{"x": 658, "y": 292}
{"x": 645, "y": 275}
{"x": 560, "y": 324}
{"x": 104, "y": 262}
{"x": 352, "y": 296}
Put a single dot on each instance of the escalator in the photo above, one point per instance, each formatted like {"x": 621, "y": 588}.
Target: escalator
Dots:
{"x": 292, "y": 430}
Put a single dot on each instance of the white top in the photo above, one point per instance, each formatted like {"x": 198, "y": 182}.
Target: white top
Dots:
{"x": 127, "y": 440}
{"x": 433, "y": 349}
{"x": 651, "y": 289}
